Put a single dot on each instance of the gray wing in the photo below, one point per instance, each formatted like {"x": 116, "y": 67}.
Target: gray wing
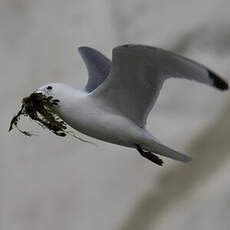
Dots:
{"x": 137, "y": 75}
{"x": 98, "y": 67}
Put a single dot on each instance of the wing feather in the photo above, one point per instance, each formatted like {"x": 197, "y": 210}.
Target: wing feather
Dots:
{"x": 138, "y": 73}
{"x": 98, "y": 67}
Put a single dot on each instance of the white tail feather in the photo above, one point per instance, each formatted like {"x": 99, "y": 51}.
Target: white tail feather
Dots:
{"x": 153, "y": 145}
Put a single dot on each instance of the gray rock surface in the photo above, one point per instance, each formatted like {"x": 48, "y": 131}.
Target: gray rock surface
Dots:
{"x": 53, "y": 183}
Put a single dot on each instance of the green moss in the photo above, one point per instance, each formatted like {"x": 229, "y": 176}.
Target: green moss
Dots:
{"x": 42, "y": 110}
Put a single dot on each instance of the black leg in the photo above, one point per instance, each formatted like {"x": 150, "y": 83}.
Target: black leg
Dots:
{"x": 150, "y": 156}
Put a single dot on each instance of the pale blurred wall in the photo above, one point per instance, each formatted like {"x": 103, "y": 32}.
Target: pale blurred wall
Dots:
{"x": 49, "y": 183}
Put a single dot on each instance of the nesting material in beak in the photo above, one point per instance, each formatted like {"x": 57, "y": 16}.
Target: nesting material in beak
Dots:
{"x": 42, "y": 109}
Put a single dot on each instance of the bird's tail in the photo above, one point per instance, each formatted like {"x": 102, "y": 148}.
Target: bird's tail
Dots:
{"x": 153, "y": 145}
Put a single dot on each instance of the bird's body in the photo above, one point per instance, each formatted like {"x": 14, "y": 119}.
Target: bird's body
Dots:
{"x": 119, "y": 96}
{"x": 96, "y": 119}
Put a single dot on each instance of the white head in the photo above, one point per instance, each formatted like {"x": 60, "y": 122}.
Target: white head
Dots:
{"x": 65, "y": 94}
{"x": 58, "y": 91}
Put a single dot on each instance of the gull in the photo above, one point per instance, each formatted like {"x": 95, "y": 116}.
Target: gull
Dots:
{"x": 115, "y": 103}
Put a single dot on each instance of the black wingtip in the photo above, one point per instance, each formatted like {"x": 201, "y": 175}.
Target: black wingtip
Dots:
{"x": 217, "y": 81}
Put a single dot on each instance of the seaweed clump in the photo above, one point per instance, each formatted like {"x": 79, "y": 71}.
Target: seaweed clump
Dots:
{"x": 41, "y": 109}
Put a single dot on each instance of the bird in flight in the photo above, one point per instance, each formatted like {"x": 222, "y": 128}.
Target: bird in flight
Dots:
{"x": 116, "y": 101}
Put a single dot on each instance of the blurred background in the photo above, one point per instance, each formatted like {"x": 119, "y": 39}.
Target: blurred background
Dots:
{"x": 48, "y": 182}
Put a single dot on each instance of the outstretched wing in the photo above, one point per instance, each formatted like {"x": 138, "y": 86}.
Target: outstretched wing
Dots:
{"x": 137, "y": 75}
{"x": 98, "y": 67}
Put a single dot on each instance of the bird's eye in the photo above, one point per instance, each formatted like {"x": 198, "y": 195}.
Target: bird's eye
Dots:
{"x": 49, "y": 87}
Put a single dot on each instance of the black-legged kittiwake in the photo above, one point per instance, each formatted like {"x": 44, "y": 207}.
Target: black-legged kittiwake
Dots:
{"x": 119, "y": 95}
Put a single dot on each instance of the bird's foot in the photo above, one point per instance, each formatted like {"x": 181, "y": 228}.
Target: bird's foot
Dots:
{"x": 150, "y": 156}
